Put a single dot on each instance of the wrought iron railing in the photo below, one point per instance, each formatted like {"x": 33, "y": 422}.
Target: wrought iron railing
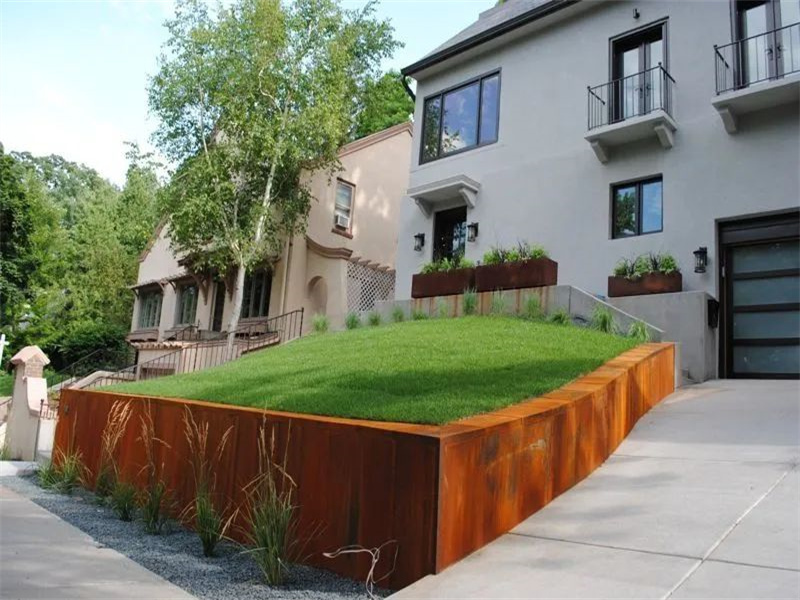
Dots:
{"x": 197, "y": 356}
{"x": 631, "y": 96}
{"x": 759, "y": 58}
{"x": 102, "y": 359}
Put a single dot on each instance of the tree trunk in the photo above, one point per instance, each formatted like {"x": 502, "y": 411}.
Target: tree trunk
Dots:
{"x": 236, "y": 296}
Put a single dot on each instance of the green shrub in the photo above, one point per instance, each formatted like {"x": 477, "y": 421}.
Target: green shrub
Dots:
{"x": 470, "y": 302}
{"x": 646, "y": 263}
{"x": 154, "y": 507}
{"x": 352, "y": 321}
{"x": 419, "y": 315}
{"x": 447, "y": 264}
{"x": 521, "y": 252}
{"x": 46, "y": 475}
{"x": 603, "y": 320}
{"x": 533, "y": 308}
{"x": 639, "y": 332}
{"x": 498, "y": 305}
{"x": 123, "y": 500}
{"x": 374, "y": 319}
{"x": 560, "y": 317}
{"x": 668, "y": 264}
{"x": 63, "y": 474}
{"x": 625, "y": 267}
{"x": 270, "y": 514}
{"x": 321, "y": 323}
{"x": 398, "y": 314}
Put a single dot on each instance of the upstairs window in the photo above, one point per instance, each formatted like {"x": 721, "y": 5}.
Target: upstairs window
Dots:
{"x": 187, "y": 305}
{"x": 462, "y": 118}
{"x": 257, "y": 289}
{"x": 149, "y": 309}
{"x": 343, "y": 207}
{"x": 637, "y": 208}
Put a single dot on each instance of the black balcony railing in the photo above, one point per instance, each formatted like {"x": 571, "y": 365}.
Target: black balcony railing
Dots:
{"x": 631, "y": 96}
{"x": 759, "y": 58}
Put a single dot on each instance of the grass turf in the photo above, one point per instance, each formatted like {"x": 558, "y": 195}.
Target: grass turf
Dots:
{"x": 432, "y": 371}
{"x": 6, "y": 384}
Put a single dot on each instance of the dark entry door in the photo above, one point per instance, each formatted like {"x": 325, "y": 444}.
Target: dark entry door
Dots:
{"x": 761, "y": 299}
{"x": 219, "y": 306}
{"x": 637, "y": 78}
{"x": 449, "y": 233}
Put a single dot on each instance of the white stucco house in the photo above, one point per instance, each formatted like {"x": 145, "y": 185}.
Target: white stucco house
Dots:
{"x": 343, "y": 262}
{"x": 608, "y": 129}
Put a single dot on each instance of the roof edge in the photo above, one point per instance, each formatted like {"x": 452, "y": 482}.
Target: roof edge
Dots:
{"x": 374, "y": 138}
{"x": 485, "y": 36}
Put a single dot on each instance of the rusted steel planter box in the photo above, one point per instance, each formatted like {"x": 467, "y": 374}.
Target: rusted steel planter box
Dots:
{"x": 537, "y": 272}
{"x": 652, "y": 283}
{"x": 447, "y": 283}
{"x": 441, "y": 492}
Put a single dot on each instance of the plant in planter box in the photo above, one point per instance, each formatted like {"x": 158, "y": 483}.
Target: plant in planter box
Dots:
{"x": 443, "y": 277}
{"x": 522, "y": 266}
{"x": 648, "y": 274}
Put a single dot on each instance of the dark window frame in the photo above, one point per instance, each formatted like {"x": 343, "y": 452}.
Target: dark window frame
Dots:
{"x": 179, "y": 304}
{"x": 638, "y": 183}
{"x": 263, "y": 303}
{"x": 156, "y": 314}
{"x": 341, "y": 230}
{"x": 440, "y": 95}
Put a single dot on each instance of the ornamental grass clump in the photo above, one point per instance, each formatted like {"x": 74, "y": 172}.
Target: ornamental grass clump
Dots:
{"x": 560, "y": 317}
{"x": 114, "y": 430}
{"x": 533, "y": 308}
{"x": 374, "y": 319}
{"x": 154, "y": 501}
{"x": 498, "y": 305}
{"x": 603, "y": 320}
{"x": 645, "y": 264}
{"x": 270, "y": 516}
{"x": 398, "y": 314}
{"x": 442, "y": 309}
{"x": 210, "y": 524}
{"x": 123, "y": 500}
{"x": 523, "y": 251}
{"x": 321, "y": 323}
{"x": 352, "y": 321}
{"x": 419, "y": 315}
{"x": 443, "y": 265}
{"x": 470, "y": 302}
{"x": 64, "y": 473}
{"x": 639, "y": 332}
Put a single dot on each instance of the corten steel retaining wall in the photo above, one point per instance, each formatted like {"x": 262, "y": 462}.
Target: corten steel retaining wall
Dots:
{"x": 441, "y": 492}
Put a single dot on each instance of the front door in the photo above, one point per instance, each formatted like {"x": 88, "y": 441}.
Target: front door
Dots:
{"x": 449, "y": 233}
{"x": 219, "y": 307}
{"x": 768, "y": 32}
{"x": 636, "y": 74}
{"x": 761, "y": 298}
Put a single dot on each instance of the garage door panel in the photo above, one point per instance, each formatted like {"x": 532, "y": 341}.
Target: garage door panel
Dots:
{"x": 766, "y": 325}
{"x": 762, "y": 360}
{"x": 766, "y": 257}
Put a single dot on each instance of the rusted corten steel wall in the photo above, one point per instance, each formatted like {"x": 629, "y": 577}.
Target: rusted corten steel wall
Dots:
{"x": 441, "y": 492}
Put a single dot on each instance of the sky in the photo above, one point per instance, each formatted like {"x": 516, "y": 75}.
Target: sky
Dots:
{"x": 73, "y": 73}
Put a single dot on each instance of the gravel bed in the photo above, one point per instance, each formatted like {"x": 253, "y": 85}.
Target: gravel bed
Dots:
{"x": 177, "y": 555}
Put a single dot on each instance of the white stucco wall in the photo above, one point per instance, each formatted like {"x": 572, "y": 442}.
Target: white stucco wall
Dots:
{"x": 541, "y": 181}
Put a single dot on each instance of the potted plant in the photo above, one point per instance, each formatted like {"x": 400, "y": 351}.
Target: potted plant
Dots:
{"x": 524, "y": 266}
{"x": 648, "y": 274}
{"x": 443, "y": 277}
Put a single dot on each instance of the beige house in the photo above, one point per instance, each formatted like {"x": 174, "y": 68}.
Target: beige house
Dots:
{"x": 343, "y": 262}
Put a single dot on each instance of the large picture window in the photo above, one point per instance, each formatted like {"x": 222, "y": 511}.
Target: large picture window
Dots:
{"x": 149, "y": 309}
{"x": 637, "y": 208}
{"x": 257, "y": 289}
{"x": 187, "y": 305}
{"x": 461, "y": 118}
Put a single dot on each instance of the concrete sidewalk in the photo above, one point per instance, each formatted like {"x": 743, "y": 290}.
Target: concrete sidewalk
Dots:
{"x": 701, "y": 501}
{"x": 42, "y": 556}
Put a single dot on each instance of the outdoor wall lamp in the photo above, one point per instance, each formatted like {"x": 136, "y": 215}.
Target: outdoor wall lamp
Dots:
{"x": 700, "y": 259}
{"x": 472, "y": 232}
{"x": 419, "y": 242}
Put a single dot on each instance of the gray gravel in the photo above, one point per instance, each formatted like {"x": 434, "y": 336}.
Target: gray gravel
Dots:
{"x": 177, "y": 556}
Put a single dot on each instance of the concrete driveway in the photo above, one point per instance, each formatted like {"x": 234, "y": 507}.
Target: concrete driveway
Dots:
{"x": 701, "y": 501}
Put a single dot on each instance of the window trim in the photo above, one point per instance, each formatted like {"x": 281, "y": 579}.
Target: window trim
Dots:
{"x": 179, "y": 304}
{"x": 142, "y": 296}
{"x": 340, "y": 230}
{"x": 637, "y": 183}
{"x": 267, "y": 275}
{"x": 441, "y": 94}
{"x": 663, "y": 22}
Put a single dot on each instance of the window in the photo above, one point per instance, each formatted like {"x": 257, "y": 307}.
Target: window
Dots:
{"x": 187, "y": 305}
{"x": 257, "y": 288}
{"x": 149, "y": 309}
{"x": 637, "y": 85}
{"x": 343, "y": 207}
{"x": 449, "y": 233}
{"x": 637, "y": 208}
{"x": 462, "y": 118}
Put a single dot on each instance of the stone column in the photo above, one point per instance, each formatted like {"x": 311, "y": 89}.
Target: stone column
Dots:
{"x": 30, "y": 389}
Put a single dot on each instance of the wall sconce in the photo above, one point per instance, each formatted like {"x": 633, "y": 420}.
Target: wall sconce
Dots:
{"x": 419, "y": 242}
{"x": 636, "y": 14}
{"x": 700, "y": 259}
{"x": 472, "y": 232}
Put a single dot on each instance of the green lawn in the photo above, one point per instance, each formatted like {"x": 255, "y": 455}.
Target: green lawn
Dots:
{"x": 432, "y": 371}
{"x": 6, "y": 384}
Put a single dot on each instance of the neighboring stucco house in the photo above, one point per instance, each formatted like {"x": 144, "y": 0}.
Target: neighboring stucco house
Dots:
{"x": 343, "y": 262}
{"x": 608, "y": 129}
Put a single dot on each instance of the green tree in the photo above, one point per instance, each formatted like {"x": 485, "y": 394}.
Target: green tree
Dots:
{"x": 385, "y": 103}
{"x": 248, "y": 98}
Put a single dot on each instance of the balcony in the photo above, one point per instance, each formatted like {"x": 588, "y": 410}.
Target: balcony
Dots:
{"x": 633, "y": 108}
{"x": 757, "y": 73}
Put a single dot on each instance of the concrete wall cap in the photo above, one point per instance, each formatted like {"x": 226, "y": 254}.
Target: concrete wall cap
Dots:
{"x": 30, "y": 354}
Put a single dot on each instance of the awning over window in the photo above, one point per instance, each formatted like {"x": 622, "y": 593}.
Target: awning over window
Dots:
{"x": 459, "y": 188}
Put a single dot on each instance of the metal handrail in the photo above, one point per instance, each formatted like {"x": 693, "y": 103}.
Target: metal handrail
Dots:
{"x": 630, "y": 96}
{"x": 757, "y": 58}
